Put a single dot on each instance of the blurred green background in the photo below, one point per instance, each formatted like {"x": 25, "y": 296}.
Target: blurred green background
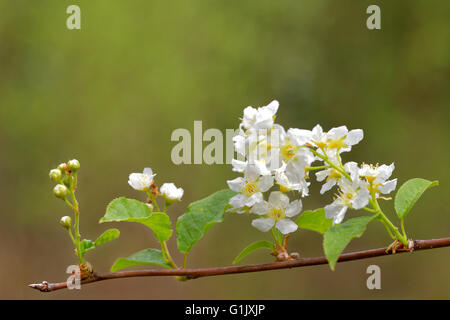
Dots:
{"x": 111, "y": 93}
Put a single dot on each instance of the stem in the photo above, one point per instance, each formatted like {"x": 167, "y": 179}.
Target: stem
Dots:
{"x": 402, "y": 224}
{"x": 318, "y": 168}
{"x": 220, "y": 271}
{"x": 185, "y": 260}
{"x": 77, "y": 226}
{"x": 152, "y": 196}
{"x": 169, "y": 258}
{"x": 385, "y": 220}
{"x": 325, "y": 158}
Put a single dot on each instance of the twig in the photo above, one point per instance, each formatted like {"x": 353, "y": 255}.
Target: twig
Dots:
{"x": 208, "y": 272}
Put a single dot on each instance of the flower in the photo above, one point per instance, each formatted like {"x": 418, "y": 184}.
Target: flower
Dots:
{"x": 171, "y": 193}
{"x": 261, "y": 118}
{"x": 339, "y": 138}
{"x": 332, "y": 175}
{"x": 352, "y": 194}
{"x": 250, "y": 187}
{"x": 141, "y": 181}
{"x": 276, "y": 212}
{"x": 377, "y": 176}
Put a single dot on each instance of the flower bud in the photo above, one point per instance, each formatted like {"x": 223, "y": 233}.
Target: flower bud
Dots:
{"x": 62, "y": 167}
{"x": 295, "y": 255}
{"x": 73, "y": 165}
{"x": 66, "y": 222}
{"x": 55, "y": 175}
{"x": 60, "y": 191}
{"x": 171, "y": 193}
{"x": 150, "y": 206}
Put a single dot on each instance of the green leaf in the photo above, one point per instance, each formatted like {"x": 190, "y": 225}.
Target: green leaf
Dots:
{"x": 338, "y": 237}
{"x": 124, "y": 209}
{"x": 252, "y": 247}
{"x": 408, "y": 194}
{"x": 107, "y": 236}
{"x": 86, "y": 245}
{"x": 143, "y": 257}
{"x": 130, "y": 210}
{"x": 160, "y": 223}
{"x": 199, "y": 217}
{"x": 314, "y": 220}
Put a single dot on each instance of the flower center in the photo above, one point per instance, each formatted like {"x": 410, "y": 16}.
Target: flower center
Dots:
{"x": 250, "y": 188}
{"x": 334, "y": 174}
{"x": 288, "y": 151}
{"x": 336, "y": 143}
{"x": 276, "y": 213}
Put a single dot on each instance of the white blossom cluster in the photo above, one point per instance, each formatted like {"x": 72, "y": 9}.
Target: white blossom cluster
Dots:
{"x": 270, "y": 155}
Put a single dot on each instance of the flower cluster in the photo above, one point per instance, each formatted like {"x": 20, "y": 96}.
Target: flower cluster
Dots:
{"x": 269, "y": 155}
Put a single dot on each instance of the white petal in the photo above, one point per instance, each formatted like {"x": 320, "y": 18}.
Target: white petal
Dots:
{"x": 352, "y": 168}
{"x": 263, "y": 224}
{"x": 354, "y": 137}
{"x": 278, "y": 199}
{"x": 148, "y": 171}
{"x": 294, "y": 208}
{"x": 265, "y": 183}
{"x": 335, "y": 211}
{"x": 337, "y": 133}
{"x": 236, "y": 184}
{"x": 286, "y": 226}
{"x": 238, "y": 166}
{"x": 253, "y": 199}
{"x": 273, "y": 107}
{"x": 361, "y": 199}
{"x": 322, "y": 175}
{"x": 299, "y": 136}
{"x": 238, "y": 201}
{"x": 260, "y": 208}
{"x": 327, "y": 186}
{"x": 388, "y": 186}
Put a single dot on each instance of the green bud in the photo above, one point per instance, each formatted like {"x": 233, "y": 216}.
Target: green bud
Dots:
{"x": 60, "y": 191}
{"x": 73, "y": 165}
{"x": 62, "y": 167}
{"x": 66, "y": 222}
{"x": 55, "y": 175}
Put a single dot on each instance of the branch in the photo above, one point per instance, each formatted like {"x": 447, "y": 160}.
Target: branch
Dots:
{"x": 208, "y": 272}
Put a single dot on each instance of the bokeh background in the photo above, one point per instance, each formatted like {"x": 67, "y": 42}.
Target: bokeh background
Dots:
{"x": 111, "y": 94}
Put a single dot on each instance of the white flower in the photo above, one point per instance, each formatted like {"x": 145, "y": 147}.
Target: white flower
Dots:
{"x": 352, "y": 194}
{"x": 170, "y": 192}
{"x": 378, "y": 175}
{"x": 141, "y": 181}
{"x": 336, "y": 139}
{"x": 261, "y": 118}
{"x": 291, "y": 180}
{"x": 250, "y": 187}
{"x": 332, "y": 175}
{"x": 276, "y": 212}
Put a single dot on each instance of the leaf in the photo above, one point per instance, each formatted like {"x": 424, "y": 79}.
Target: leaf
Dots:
{"x": 143, "y": 257}
{"x": 314, "y": 220}
{"x": 338, "y": 237}
{"x": 254, "y": 246}
{"x": 86, "y": 245}
{"x": 107, "y": 236}
{"x": 124, "y": 209}
{"x": 199, "y": 217}
{"x": 408, "y": 194}
{"x": 130, "y": 210}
